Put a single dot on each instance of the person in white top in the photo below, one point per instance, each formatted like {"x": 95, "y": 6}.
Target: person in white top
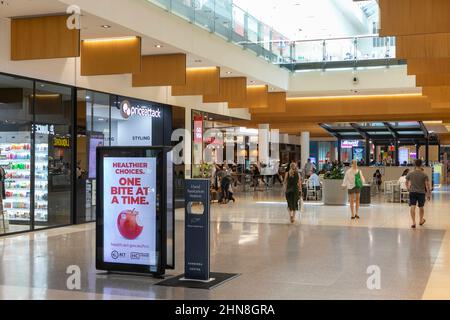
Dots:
{"x": 314, "y": 180}
{"x": 402, "y": 180}
{"x": 353, "y": 191}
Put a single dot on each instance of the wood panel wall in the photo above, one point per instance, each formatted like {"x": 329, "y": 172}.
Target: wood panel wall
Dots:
{"x": 377, "y": 108}
{"x": 428, "y": 66}
{"x": 232, "y": 90}
{"x": 257, "y": 98}
{"x": 276, "y": 104}
{"x": 161, "y": 70}
{"x": 111, "y": 56}
{"x": 199, "y": 81}
{"x": 43, "y": 38}
{"x": 423, "y": 46}
{"x": 408, "y": 17}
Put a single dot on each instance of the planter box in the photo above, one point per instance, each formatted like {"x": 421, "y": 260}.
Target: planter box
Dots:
{"x": 333, "y": 193}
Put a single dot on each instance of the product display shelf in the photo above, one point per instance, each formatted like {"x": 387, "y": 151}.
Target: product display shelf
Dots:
{"x": 16, "y": 159}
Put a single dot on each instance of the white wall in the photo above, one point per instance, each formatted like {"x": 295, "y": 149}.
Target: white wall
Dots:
{"x": 383, "y": 80}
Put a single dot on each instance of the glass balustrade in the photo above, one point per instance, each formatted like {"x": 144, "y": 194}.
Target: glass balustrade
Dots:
{"x": 234, "y": 24}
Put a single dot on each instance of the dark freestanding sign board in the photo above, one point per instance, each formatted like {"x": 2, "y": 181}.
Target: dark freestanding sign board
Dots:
{"x": 197, "y": 220}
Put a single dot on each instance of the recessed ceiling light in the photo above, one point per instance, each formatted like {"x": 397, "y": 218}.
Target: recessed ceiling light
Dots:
{"x": 88, "y": 97}
{"x": 229, "y": 72}
{"x": 198, "y": 61}
{"x": 106, "y": 26}
{"x": 252, "y": 81}
{"x": 158, "y": 46}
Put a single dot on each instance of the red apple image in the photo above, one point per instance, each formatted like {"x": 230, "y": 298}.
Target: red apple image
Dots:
{"x": 128, "y": 224}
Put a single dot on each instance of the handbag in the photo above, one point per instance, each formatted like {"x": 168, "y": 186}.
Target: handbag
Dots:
{"x": 358, "y": 180}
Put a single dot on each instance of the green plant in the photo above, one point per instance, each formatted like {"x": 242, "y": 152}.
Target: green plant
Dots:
{"x": 336, "y": 172}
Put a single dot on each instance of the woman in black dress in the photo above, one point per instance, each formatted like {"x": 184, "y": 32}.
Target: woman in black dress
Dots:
{"x": 292, "y": 184}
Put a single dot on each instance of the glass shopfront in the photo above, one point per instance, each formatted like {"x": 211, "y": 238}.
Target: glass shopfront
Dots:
{"x": 111, "y": 120}
{"x": 49, "y": 134}
{"x": 35, "y": 154}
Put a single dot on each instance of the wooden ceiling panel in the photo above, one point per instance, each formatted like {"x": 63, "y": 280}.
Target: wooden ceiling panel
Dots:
{"x": 428, "y": 66}
{"x": 43, "y": 38}
{"x": 276, "y": 103}
{"x": 111, "y": 56}
{"x": 257, "y": 98}
{"x": 423, "y": 46}
{"x": 232, "y": 90}
{"x": 161, "y": 70}
{"x": 409, "y": 17}
{"x": 430, "y": 80}
{"x": 199, "y": 81}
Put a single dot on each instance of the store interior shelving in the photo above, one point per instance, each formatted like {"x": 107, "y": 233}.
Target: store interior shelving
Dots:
{"x": 15, "y": 158}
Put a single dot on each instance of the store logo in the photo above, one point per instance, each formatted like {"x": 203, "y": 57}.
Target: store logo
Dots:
{"x": 127, "y": 111}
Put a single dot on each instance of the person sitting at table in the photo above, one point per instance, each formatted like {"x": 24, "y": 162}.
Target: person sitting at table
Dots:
{"x": 314, "y": 180}
{"x": 402, "y": 180}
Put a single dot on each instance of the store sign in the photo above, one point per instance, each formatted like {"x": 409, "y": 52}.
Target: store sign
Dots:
{"x": 129, "y": 205}
{"x": 349, "y": 144}
{"x": 198, "y": 130}
{"x": 60, "y": 142}
{"x": 44, "y": 129}
{"x": 127, "y": 110}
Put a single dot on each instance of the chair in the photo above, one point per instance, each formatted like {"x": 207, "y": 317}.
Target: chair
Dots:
{"x": 311, "y": 192}
{"x": 389, "y": 190}
{"x": 404, "y": 195}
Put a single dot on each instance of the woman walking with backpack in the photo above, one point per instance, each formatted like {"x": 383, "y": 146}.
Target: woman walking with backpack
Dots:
{"x": 354, "y": 181}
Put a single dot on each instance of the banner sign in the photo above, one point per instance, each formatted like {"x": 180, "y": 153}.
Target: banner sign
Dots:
{"x": 197, "y": 233}
{"x": 129, "y": 204}
{"x": 349, "y": 144}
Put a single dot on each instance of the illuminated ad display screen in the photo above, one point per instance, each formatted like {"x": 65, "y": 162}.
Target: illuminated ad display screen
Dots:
{"x": 129, "y": 216}
{"x": 133, "y": 210}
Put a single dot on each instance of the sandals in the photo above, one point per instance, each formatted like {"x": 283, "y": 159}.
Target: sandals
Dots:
{"x": 413, "y": 226}
{"x": 353, "y": 218}
{"x": 423, "y": 222}
{"x": 357, "y": 217}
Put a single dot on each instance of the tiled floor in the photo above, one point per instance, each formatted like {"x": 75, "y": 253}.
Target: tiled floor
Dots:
{"x": 325, "y": 256}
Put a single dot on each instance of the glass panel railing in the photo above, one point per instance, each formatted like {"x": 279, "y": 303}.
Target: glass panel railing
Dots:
{"x": 233, "y": 24}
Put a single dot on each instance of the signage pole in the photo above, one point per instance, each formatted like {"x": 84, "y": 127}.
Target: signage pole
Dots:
{"x": 197, "y": 230}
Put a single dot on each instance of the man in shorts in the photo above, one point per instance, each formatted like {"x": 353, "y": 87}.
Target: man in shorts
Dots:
{"x": 418, "y": 185}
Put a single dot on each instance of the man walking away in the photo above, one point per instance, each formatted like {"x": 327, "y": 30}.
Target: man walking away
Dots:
{"x": 419, "y": 188}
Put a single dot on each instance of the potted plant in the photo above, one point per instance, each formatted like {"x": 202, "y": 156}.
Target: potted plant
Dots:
{"x": 333, "y": 192}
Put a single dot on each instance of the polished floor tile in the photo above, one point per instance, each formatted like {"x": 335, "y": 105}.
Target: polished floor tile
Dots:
{"x": 324, "y": 255}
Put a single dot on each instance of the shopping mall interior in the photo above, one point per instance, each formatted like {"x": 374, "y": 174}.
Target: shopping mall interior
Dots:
{"x": 249, "y": 92}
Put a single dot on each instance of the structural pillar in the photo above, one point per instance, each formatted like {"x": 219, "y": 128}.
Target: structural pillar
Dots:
{"x": 263, "y": 143}
{"x": 339, "y": 150}
{"x": 305, "y": 143}
{"x": 427, "y": 153}
{"x": 397, "y": 153}
{"x": 367, "y": 160}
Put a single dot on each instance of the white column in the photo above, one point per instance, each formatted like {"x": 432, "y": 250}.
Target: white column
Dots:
{"x": 263, "y": 143}
{"x": 304, "y": 141}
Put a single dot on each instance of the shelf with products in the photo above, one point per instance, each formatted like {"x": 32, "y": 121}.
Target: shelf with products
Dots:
{"x": 16, "y": 158}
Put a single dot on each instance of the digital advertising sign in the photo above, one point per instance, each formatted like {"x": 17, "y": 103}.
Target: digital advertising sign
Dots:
{"x": 129, "y": 204}
{"x": 135, "y": 213}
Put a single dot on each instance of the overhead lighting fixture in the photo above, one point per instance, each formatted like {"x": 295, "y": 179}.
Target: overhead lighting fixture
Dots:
{"x": 229, "y": 72}
{"x": 132, "y": 38}
{"x": 197, "y": 61}
{"x": 252, "y": 81}
{"x": 158, "y": 46}
{"x": 106, "y": 26}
